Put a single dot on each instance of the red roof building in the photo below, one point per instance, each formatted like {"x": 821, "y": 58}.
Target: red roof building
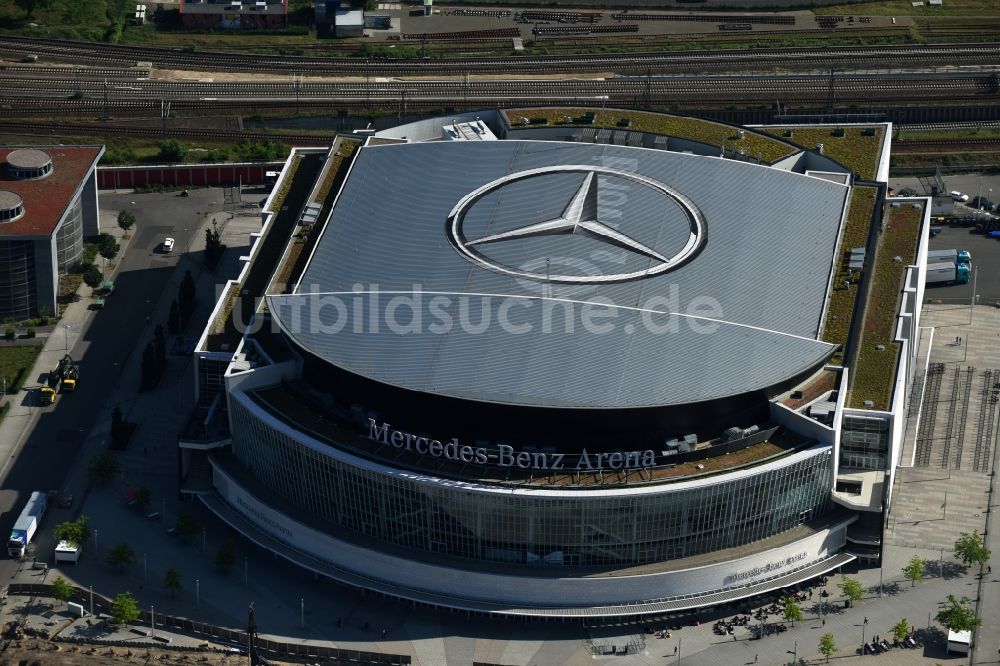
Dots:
{"x": 48, "y": 204}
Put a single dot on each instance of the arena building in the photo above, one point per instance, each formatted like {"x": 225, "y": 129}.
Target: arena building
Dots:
{"x": 554, "y": 371}
{"x": 48, "y": 204}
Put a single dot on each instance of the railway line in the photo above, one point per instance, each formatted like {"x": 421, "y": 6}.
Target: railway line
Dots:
{"x": 651, "y": 89}
{"x": 125, "y": 131}
{"x": 858, "y": 57}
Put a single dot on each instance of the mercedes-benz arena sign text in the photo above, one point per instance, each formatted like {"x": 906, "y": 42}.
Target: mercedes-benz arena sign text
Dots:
{"x": 580, "y": 216}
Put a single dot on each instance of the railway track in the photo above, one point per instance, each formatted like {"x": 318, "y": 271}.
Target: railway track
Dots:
{"x": 857, "y": 57}
{"x": 125, "y": 131}
{"x": 651, "y": 89}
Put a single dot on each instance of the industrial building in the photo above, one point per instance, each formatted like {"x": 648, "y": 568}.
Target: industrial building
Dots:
{"x": 234, "y": 14}
{"x": 48, "y": 205}
{"x": 554, "y": 371}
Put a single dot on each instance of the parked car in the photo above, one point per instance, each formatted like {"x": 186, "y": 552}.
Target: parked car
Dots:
{"x": 168, "y": 244}
{"x": 958, "y": 196}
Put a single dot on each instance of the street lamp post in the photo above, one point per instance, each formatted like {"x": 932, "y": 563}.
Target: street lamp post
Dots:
{"x": 302, "y": 612}
{"x": 604, "y": 102}
{"x": 66, "y": 328}
{"x": 197, "y": 592}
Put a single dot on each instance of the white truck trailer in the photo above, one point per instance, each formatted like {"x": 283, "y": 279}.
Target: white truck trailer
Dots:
{"x": 947, "y": 273}
{"x": 958, "y": 256}
{"x": 27, "y": 524}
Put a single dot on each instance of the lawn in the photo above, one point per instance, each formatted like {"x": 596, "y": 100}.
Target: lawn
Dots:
{"x": 705, "y": 131}
{"x": 841, "y": 308}
{"x": 874, "y": 372}
{"x": 16, "y": 362}
{"x": 906, "y": 8}
{"x": 854, "y": 150}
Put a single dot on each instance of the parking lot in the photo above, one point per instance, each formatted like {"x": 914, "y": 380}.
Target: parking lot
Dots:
{"x": 985, "y": 251}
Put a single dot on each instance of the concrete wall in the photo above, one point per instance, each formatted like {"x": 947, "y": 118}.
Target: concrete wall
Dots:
{"x": 194, "y": 175}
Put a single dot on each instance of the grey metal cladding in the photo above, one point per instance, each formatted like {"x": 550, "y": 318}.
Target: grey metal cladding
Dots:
{"x": 766, "y": 263}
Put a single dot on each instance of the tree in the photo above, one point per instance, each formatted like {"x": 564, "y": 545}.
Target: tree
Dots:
{"x": 186, "y": 296}
{"x": 143, "y": 497}
{"x": 75, "y": 532}
{"x": 124, "y": 609}
{"x": 970, "y": 549}
{"x": 150, "y": 370}
{"x": 900, "y": 630}
{"x": 172, "y": 150}
{"x": 172, "y": 581}
{"x": 120, "y": 557}
{"x": 851, "y": 589}
{"x": 213, "y": 247}
{"x": 186, "y": 526}
{"x": 107, "y": 246}
{"x": 914, "y": 570}
{"x": 826, "y": 646}
{"x": 160, "y": 348}
{"x": 174, "y": 319}
{"x": 957, "y": 614}
{"x": 29, "y": 6}
{"x": 126, "y": 220}
{"x": 225, "y": 557}
{"x": 118, "y": 428}
{"x": 61, "y": 589}
{"x": 102, "y": 468}
{"x": 93, "y": 276}
{"x": 793, "y": 612}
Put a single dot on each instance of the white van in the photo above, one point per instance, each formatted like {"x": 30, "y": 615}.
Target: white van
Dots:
{"x": 958, "y": 196}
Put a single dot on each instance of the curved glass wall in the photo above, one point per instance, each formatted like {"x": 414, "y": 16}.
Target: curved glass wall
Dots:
{"x": 17, "y": 279}
{"x": 69, "y": 238}
{"x": 588, "y": 528}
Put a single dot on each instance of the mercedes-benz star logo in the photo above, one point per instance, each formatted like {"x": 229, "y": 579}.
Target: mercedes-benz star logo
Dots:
{"x": 578, "y": 217}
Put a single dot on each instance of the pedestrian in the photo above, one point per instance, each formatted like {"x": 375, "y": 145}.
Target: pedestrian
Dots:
{"x": 866, "y": 619}
{"x": 755, "y": 658}
{"x": 989, "y": 569}
{"x": 675, "y": 649}
{"x": 824, "y": 621}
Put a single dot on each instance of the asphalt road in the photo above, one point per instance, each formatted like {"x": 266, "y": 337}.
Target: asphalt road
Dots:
{"x": 106, "y": 342}
{"x": 985, "y": 253}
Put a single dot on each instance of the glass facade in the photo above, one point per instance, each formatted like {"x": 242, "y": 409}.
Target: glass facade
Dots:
{"x": 17, "y": 279}
{"x": 864, "y": 442}
{"x": 69, "y": 237}
{"x": 581, "y": 528}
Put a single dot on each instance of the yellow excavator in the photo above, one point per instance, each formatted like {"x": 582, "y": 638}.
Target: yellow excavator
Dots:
{"x": 63, "y": 378}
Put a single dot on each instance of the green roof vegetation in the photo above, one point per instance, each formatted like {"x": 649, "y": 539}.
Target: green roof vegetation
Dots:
{"x": 873, "y": 372}
{"x": 849, "y": 146}
{"x": 695, "y": 129}
{"x": 837, "y": 326}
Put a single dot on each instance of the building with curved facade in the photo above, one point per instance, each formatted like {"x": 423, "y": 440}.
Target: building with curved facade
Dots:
{"x": 536, "y": 375}
{"x": 48, "y": 204}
